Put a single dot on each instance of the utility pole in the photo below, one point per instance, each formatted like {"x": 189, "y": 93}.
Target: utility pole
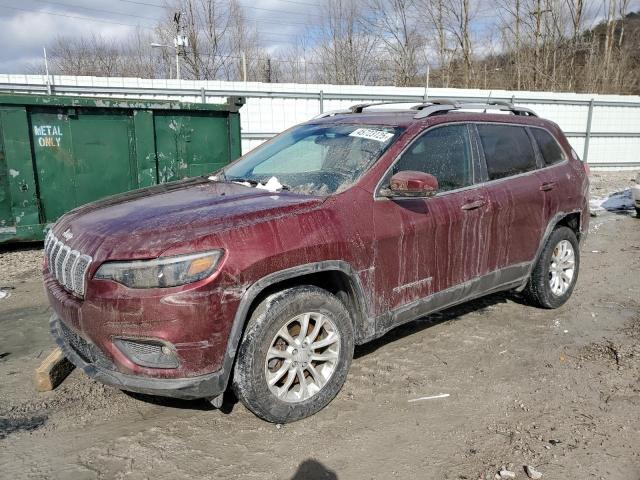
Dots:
{"x": 268, "y": 75}
{"x": 46, "y": 69}
{"x": 180, "y": 42}
{"x": 244, "y": 67}
{"x": 426, "y": 88}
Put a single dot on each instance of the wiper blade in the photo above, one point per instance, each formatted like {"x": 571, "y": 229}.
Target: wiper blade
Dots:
{"x": 253, "y": 182}
{"x": 250, "y": 181}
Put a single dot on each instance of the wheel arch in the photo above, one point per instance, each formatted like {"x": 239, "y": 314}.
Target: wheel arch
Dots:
{"x": 336, "y": 276}
{"x": 572, "y": 219}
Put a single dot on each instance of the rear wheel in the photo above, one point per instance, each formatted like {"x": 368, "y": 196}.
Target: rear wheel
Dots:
{"x": 554, "y": 275}
{"x": 638, "y": 212}
{"x": 294, "y": 355}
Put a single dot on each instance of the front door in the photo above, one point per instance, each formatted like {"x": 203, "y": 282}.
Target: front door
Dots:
{"x": 429, "y": 246}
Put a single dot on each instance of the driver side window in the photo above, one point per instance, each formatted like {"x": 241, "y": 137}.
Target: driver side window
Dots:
{"x": 445, "y": 153}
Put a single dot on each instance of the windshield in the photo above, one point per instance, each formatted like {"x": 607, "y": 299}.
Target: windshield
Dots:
{"x": 313, "y": 159}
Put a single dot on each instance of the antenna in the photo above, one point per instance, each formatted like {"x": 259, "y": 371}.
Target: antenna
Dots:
{"x": 487, "y": 102}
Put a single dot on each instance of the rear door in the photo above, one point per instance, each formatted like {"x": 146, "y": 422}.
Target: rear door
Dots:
{"x": 557, "y": 179}
{"x": 425, "y": 246}
{"x": 517, "y": 201}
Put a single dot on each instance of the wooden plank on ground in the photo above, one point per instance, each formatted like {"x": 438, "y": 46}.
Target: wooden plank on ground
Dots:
{"x": 52, "y": 371}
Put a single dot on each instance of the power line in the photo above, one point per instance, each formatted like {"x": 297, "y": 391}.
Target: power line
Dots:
{"x": 149, "y": 18}
{"x": 96, "y": 9}
{"x": 144, "y": 27}
{"x": 78, "y": 17}
{"x": 279, "y": 12}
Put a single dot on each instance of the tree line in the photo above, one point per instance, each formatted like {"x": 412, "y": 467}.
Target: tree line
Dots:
{"x": 557, "y": 45}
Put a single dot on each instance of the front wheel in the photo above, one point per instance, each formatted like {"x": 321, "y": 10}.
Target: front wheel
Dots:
{"x": 554, "y": 275}
{"x": 294, "y": 355}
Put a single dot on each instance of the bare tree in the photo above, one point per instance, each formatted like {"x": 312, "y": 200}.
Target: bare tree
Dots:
{"x": 394, "y": 22}
{"x": 546, "y": 44}
{"x": 346, "y": 48}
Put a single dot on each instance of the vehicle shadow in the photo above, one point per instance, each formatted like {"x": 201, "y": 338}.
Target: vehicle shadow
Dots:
{"x": 479, "y": 305}
{"x": 20, "y": 246}
{"x": 201, "y": 404}
{"x": 311, "y": 469}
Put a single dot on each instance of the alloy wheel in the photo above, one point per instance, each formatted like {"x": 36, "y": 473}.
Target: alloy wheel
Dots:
{"x": 302, "y": 357}
{"x": 561, "y": 268}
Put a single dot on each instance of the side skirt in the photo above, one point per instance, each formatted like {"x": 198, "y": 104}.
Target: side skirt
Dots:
{"x": 503, "y": 279}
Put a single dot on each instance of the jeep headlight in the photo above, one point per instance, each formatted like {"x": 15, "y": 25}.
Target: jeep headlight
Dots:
{"x": 161, "y": 272}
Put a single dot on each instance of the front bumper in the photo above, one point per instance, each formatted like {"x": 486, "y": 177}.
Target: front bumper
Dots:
{"x": 86, "y": 356}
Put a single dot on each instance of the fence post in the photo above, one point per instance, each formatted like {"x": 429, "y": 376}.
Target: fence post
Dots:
{"x": 203, "y": 95}
{"x": 321, "y": 101}
{"x": 585, "y": 153}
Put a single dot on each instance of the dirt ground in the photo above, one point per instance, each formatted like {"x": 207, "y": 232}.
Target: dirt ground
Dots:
{"x": 558, "y": 390}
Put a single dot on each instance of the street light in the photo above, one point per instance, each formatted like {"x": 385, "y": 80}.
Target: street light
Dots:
{"x": 179, "y": 44}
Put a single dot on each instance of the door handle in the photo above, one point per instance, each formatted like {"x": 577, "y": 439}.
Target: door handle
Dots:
{"x": 473, "y": 204}
{"x": 546, "y": 186}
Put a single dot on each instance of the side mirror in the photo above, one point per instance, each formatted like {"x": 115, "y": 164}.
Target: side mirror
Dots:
{"x": 411, "y": 184}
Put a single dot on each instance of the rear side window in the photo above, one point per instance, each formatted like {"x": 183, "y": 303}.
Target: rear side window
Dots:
{"x": 551, "y": 151}
{"x": 507, "y": 150}
{"x": 445, "y": 153}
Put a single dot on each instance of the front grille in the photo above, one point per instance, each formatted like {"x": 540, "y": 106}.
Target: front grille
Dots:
{"x": 68, "y": 266}
{"x": 87, "y": 351}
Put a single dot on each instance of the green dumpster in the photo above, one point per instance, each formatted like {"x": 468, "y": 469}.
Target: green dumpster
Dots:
{"x": 57, "y": 153}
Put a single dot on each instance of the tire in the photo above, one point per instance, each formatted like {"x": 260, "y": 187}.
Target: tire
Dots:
{"x": 637, "y": 212}
{"x": 280, "y": 314}
{"x": 540, "y": 289}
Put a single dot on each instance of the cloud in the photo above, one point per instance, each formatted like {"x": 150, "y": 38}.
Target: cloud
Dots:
{"x": 25, "y": 33}
{"x": 26, "y": 26}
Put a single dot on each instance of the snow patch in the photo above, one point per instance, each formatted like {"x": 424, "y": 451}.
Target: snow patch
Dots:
{"x": 272, "y": 185}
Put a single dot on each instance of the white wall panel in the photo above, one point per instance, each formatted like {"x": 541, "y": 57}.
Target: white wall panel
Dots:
{"x": 272, "y": 113}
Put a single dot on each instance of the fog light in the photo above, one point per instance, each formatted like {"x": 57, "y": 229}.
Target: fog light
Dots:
{"x": 148, "y": 353}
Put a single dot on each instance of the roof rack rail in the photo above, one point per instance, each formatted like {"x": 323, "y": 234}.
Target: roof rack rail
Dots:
{"x": 441, "y": 105}
{"x": 437, "y": 106}
{"x": 357, "y": 108}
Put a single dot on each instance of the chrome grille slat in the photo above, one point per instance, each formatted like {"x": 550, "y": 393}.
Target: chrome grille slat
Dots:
{"x": 69, "y": 267}
{"x": 62, "y": 254}
{"x": 52, "y": 257}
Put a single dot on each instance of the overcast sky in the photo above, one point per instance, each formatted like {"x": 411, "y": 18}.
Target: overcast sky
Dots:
{"x": 27, "y": 25}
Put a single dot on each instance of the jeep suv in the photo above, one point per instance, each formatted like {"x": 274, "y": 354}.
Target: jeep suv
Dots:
{"x": 263, "y": 276}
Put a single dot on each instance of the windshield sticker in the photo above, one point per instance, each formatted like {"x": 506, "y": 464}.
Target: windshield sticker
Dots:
{"x": 371, "y": 134}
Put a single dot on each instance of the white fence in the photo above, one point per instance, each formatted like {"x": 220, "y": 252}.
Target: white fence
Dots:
{"x": 604, "y": 129}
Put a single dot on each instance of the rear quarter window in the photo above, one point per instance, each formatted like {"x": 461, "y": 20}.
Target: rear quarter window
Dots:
{"x": 551, "y": 151}
{"x": 507, "y": 149}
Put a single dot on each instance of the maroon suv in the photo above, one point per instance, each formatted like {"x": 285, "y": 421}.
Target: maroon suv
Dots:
{"x": 265, "y": 275}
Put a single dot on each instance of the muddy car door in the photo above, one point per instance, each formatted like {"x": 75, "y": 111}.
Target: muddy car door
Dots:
{"x": 430, "y": 245}
{"x": 517, "y": 202}
{"x": 558, "y": 180}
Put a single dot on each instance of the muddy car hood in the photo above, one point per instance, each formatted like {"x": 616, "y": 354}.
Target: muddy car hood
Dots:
{"x": 144, "y": 223}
